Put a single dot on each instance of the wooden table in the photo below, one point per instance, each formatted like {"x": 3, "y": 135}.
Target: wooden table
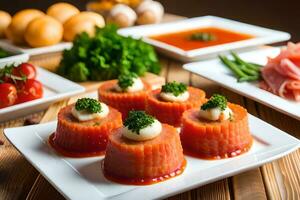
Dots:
{"x": 277, "y": 180}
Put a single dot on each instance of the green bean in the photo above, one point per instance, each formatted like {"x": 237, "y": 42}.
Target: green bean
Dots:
{"x": 255, "y": 64}
{"x": 242, "y": 62}
{"x": 231, "y": 65}
{"x": 248, "y": 78}
{"x": 249, "y": 71}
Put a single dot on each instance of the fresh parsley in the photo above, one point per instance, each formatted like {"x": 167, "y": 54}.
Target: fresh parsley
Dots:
{"x": 126, "y": 80}
{"x": 174, "y": 88}
{"x": 138, "y": 120}
{"x": 107, "y": 55}
{"x": 89, "y": 105}
{"x": 216, "y": 101}
{"x": 203, "y": 36}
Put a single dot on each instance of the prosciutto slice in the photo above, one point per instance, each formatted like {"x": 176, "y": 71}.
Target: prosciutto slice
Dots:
{"x": 281, "y": 75}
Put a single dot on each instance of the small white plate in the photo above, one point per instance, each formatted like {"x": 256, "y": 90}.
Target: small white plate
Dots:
{"x": 36, "y": 51}
{"x": 214, "y": 70}
{"x": 83, "y": 178}
{"x": 16, "y": 58}
{"x": 261, "y": 36}
{"x": 55, "y": 88}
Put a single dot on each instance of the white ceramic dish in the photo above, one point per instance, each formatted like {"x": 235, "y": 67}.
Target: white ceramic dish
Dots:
{"x": 36, "y": 51}
{"x": 214, "y": 70}
{"x": 83, "y": 178}
{"x": 16, "y": 58}
{"x": 262, "y": 36}
{"x": 55, "y": 88}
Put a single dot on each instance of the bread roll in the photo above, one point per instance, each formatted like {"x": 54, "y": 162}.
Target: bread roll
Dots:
{"x": 43, "y": 31}
{"x": 122, "y": 15}
{"x": 150, "y": 12}
{"x": 5, "y": 20}
{"x": 131, "y": 3}
{"x": 16, "y": 29}
{"x": 62, "y": 11}
{"x": 101, "y": 7}
{"x": 82, "y": 22}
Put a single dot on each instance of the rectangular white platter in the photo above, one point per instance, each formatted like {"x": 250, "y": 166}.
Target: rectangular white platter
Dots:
{"x": 16, "y": 58}
{"x": 55, "y": 88}
{"x": 78, "y": 179}
{"x": 38, "y": 50}
{"x": 214, "y": 70}
{"x": 261, "y": 36}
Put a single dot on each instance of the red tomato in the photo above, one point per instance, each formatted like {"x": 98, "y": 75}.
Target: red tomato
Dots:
{"x": 8, "y": 95}
{"x": 29, "y": 90}
{"x": 25, "y": 69}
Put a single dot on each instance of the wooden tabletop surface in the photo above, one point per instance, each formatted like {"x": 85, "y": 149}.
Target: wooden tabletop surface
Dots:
{"x": 277, "y": 180}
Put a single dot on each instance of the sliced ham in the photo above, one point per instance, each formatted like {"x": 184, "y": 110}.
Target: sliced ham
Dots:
{"x": 273, "y": 79}
{"x": 281, "y": 75}
{"x": 289, "y": 69}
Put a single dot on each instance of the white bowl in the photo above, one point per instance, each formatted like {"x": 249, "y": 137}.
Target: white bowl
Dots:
{"x": 261, "y": 36}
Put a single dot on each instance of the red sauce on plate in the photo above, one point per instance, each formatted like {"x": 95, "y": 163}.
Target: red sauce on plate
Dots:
{"x": 182, "y": 39}
{"x": 148, "y": 181}
{"x": 63, "y": 152}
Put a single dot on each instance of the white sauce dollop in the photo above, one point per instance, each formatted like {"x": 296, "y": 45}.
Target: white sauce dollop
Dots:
{"x": 167, "y": 96}
{"x": 147, "y": 133}
{"x": 214, "y": 114}
{"x": 125, "y": 10}
{"x": 83, "y": 115}
{"x": 137, "y": 86}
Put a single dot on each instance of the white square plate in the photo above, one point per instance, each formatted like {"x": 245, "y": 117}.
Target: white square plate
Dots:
{"x": 83, "y": 178}
{"x": 55, "y": 88}
{"x": 261, "y": 36}
{"x": 38, "y": 50}
{"x": 214, "y": 70}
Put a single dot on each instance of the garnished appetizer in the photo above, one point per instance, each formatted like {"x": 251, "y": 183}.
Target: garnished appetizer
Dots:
{"x": 168, "y": 103}
{"x": 83, "y": 128}
{"x": 218, "y": 130}
{"x": 18, "y": 85}
{"x": 125, "y": 94}
{"x": 143, "y": 151}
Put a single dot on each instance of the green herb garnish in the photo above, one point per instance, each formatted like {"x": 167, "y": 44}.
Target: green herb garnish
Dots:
{"x": 138, "y": 120}
{"x": 126, "y": 80}
{"x": 203, "y": 36}
{"x": 89, "y": 105}
{"x": 7, "y": 72}
{"x": 174, "y": 88}
{"x": 216, "y": 101}
{"x": 107, "y": 55}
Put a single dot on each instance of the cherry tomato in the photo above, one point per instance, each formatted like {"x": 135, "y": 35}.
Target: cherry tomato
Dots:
{"x": 8, "y": 95}
{"x": 29, "y": 90}
{"x": 25, "y": 69}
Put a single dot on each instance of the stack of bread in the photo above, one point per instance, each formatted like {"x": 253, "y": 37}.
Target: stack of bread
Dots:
{"x": 126, "y": 13}
{"x": 62, "y": 21}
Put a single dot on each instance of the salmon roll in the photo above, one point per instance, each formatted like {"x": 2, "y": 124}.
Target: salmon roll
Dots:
{"x": 83, "y": 128}
{"x": 143, "y": 152}
{"x": 127, "y": 93}
{"x": 168, "y": 103}
{"x": 217, "y": 130}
